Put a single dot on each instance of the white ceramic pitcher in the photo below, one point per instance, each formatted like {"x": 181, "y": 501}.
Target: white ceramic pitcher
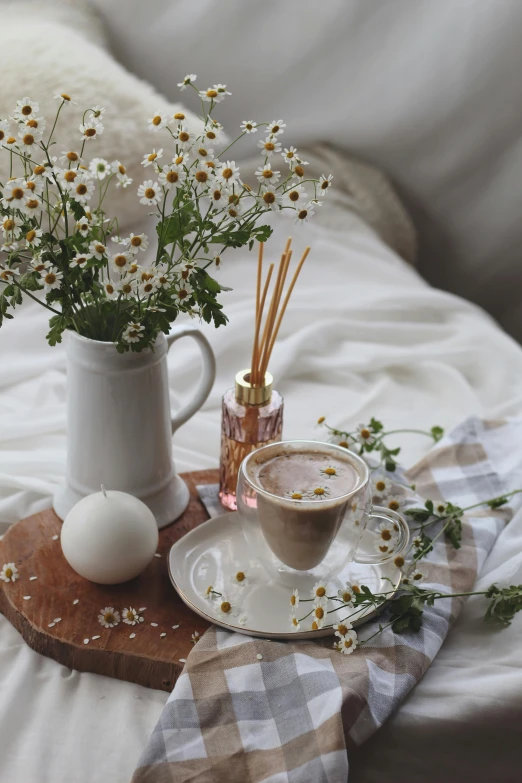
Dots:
{"x": 119, "y": 423}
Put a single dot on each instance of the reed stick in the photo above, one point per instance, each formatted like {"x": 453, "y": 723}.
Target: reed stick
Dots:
{"x": 254, "y": 380}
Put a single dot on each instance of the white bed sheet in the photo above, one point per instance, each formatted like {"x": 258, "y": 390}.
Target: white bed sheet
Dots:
{"x": 364, "y": 336}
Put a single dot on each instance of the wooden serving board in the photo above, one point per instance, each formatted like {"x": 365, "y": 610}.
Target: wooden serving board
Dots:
{"x": 149, "y": 659}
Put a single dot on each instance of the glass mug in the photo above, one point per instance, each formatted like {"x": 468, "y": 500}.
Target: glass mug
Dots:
{"x": 302, "y": 533}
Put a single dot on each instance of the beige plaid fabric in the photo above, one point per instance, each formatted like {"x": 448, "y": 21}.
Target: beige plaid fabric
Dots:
{"x": 292, "y": 716}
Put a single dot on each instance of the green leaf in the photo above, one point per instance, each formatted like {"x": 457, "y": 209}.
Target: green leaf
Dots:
{"x": 497, "y": 502}
{"x": 58, "y": 324}
{"x": 375, "y": 425}
{"x": 504, "y": 604}
{"x": 454, "y": 532}
{"x": 436, "y": 433}
{"x": 176, "y": 226}
{"x": 263, "y": 233}
{"x": 77, "y": 210}
{"x": 429, "y": 505}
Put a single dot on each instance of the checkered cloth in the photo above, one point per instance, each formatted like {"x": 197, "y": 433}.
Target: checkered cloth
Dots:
{"x": 292, "y": 715}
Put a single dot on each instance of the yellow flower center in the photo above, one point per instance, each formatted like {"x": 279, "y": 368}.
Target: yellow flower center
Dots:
{"x": 2, "y": 134}
{"x": 393, "y": 505}
{"x": 32, "y": 204}
{"x": 108, "y": 617}
{"x": 417, "y": 577}
{"x": 152, "y": 156}
{"x": 126, "y": 288}
{"x": 227, "y": 173}
{"x": 315, "y": 626}
{"x": 290, "y": 154}
{"x": 183, "y": 293}
{"x": 70, "y": 176}
{"x": 380, "y": 486}
{"x": 99, "y": 248}
{"x": 240, "y": 576}
{"x": 30, "y": 235}
{"x": 320, "y": 592}
{"x": 9, "y": 224}
{"x": 296, "y": 496}
{"x": 179, "y": 160}
{"x": 275, "y": 128}
{"x": 347, "y": 643}
{"x": 267, "y": 174}
{"x": 26, "y": 110}
{"x": 184, "y": 136}
{"x": 201, "y": 176}
{"x": 150, "y": 193}
{"x": 365, "y": 434}
{"x": 324, "y": 184}
{"x": 294, "y": 195}
{"x": 90, "y": 132}
{"x": 383, "y": 548}
{"x": 293, "y": 600}
{"x": 65, "y": 96}
{"x": 11, "y": 140}
{"x": 202, "y": 152}
{"x": 156, "y": 120}
{"x": 211, "y": 93}
{"x": 330, "y": 471}
{"x": 299, "y": 170}
{"x": 346, "y": 596}
{"x": 386, "y": 535}
{"x": 302, "y": 214}
{"x": 295, "y": 621}
{"x": 72, "y": 156}
{"x": 81, "y": 189}
{"x": 319, "y": 612}
{"x": 269, "y": 147}
{"x": 120, "y": 260}
{"x": 148, "y": 288}
{"x": 225, "y": 607}
{"x": 209, "y": 589}
{"x": 440, "y": 509}
{"x": 109, "y": 288}
{"x": 318, "y": 491}
{"x": 356, "y": 589}
{"x": 343, "y": 443}
{"x": 30, "y": 185}
{"x": 39, "y": 170}
{"x": 217, "y": 195}
{"x": 18, "y": 193}
{"x": 8, "y": 572}
{"x": 269, "y": 198}
{"x": 343, "y": 630}
{"x": 210, "y": 134}
{"x": 122, "y": 169}
{"x": 399, "y": 561}
{"x": 50, "y": 278}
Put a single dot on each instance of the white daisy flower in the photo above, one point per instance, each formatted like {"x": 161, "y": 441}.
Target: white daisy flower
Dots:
{"x": 82, "y": 189}
{"x": 203, "y": 153}
{"x": 341, "y": 629}
{"x": 123, "y": 181}
{"x": 51, "y": 278}
{"x": 121, "y": 261}
{"x": 127, "y": 287}
{"x": 35, "y": 185}
{"x": 33, "y": 206}
{"x": 294, "y": 622}
{"x": 5, "y": 130}
{"x": 295, "y": 494}
{"x": 117, "y": 167}
{"x": 299, "y": 170}
{"x": 387, "y": 533}
{"x": 218, "y": 197}
{"x": 209, "y": 593}
{"x": 65, "y": 97}
{"x": 417, "y": 542}
{"x": 276, "y": 127}
{"x": 381, "y": 486}
{"x": 83, "y": 227}
{"x": 346, "y": 594}
{"x": 215, "y": 93}
{"x": 201, "y": 176}
{"x": 189, "y": 78}
{"x": 97, "y": 111}
{"x": 235, "y": 209}
{"x": 224, "y": 607}
{"x": 109, "y": 617}
{"x": 185, "y": 138}
{"x": 295, "y": 197}
{"x": 172, "y": 176}
{"x": 10, "y": 247}
{"x": 158, "y": 121}
{"x": 8, "y": 275}
{"x": 15, "y": 193}
{"x": 294, "y": 599}
{"x": 319, "y": 592}
{"x": 195, "y": 637}
{"x": 325, "y": 183}
{"x": 111, "y": 291}
{"x": 28, "y": 142}
{"x": 97, "y": 250}
{"x": 183, "y": 292}
{"x": 132, "y": 333}
{"x": 249, "y": 126}
{"x": 414, "y": 578}
{"x": 320, "y": 492}
{"x": 131, "y": 617}
{"x": 91, "y": 129}
{"x": 163, "y": 278}
{"x": 213, "y": 130}
{"x": 364, "y": 435}
{"x": 33, "y": 238}
{"x": 318, "y": 616}
{"x": 99, "y": 168}
{"x": 269, "y": 146}
{"x": 137, "y": 242}
{"x": 289, "y": 155}
{"x": 228, "y": 173}
{"x": 303, "y": 213}
{"x": 79, "y": 260}
{"x": 25, "y": 108}
{"x": 393, "y": 503}
{"x": 179, "y": 117}
{"x": 348, "y": 642}
{"x": 271, "y": 199}
{"x": 149, "y": 193}
{"x": 38, "y": 264}
{"x": 267, "y": 174}
{"x": 152, "y": 157}
{"x": 9, "y": 573}
{"x": 147, "y": 280}
{"x": 11, "y": 227}
{"x": 384, "y": 547}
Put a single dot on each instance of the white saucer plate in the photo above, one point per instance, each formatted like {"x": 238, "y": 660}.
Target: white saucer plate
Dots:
{"x": 216, "y": 550}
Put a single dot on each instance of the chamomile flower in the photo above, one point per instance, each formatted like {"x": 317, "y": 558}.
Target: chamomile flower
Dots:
{"x": 51, "y": 278}
{"x": 117, "y": 167}
{"x": 201, "y": 176}
{"x": 295, "y": 197}
{"x": 235, "y": 210}
{"x": 35, "y": 185}
{"x": 82, "y": 189}
{"x": 271, "y": 199}
{"x": 163, "y": 278}
{"x": 152, "y": 157}
{"x": 109, "y": 617}
{"x": 28, "y": 141}
{"x": 97, "y": 250}
{"x": 5, "y": 130}
{"x": 132, "y": 333}
{"x": 9, "y": 573}
{"x": 319, "y": 616}
{"x": 8, "y": 275}
{"x": 209, "y": 593}
{"x": 294, "y": 622}
{"x": 289, "y": 155}
{"x": 319, "y": 592}
{"x": 203, "y": 153}
{"x": 149, "y": 193}
{"x": 393, "y": 503}
{"x": 137, "y": 242}
{"x": 15, "y": 193}
{"x": 36, "y": 125}
{"x": 38, "y": 264}
{"x": 131, "y": 617}
{"x": 224, "y": 607}
{"x": 147, "y": 281}
{"x": 123, "y": 181}
{"x": 64, "y": 97}
{"x": 185, "y": 138}
{"x": 183, "y": 292}
{"x": 218, "y": 196}
{"x": 295, "y": 494}
{"x": 294, "y": 599}
{"x": 325, "y": 183}
{"x": 417, "y": 542}
{"x": 303, "y": 213}
{"x": 79, "y": 260}
{"x": 269, "y": 146}
{"x": 127, "y": 287}
{"x": 414, "y": 577}
{"x": 33, "y": 205}
{"x": 364, "y": 435}
{"x": 25, "y": 108}
{"x": 97, "y": 111}
{"x": 83, "y": 227}
{"x": 267, "y": 174}
{"x": 298, "y": 170}
{"x": 121, "y": 261}
{"x": 348, "y": 642}
{"x": 320, "y": 492}
{"x": 11, "y": 227}
{"x": 399, "y": 561}
{"x": 195, "y": 637}
{"x": 386, "y": 532}
{"x": 91, "y": 129}
{"x": 189, "y": 78}
{"x": 240, "y": 578}
{"x": 213, "y": 130}
{"x": 346, "y": 595}
{"x": 381, "y": 486}
{"x": 178, "y": 117}
{"x": 33, "y": 238}
{"x": 341, "y": 629}
{"x": 215, "y": 93}
{"x": 99, "y": 168}
{"x": 276, "y": 127}
{"x": 111, "y": 291}
{"x": 249, "y": 126}
{"x": 228, "y": 173}
{"x": 10, "y": 247}
{"x": 384, "y": 547}
{"x": 158, "y": 121}
{"x": 172, "y": 176}
{"x": 329, "y": 472}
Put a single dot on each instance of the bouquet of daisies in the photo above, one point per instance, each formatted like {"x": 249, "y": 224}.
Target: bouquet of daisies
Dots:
{"x": 62, "y": 249}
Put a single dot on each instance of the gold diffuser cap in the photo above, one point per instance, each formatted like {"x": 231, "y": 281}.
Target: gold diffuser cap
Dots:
{"x": 253, "y": 395}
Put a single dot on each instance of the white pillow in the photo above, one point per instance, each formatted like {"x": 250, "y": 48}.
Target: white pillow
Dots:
{"x": 52, "y": 46}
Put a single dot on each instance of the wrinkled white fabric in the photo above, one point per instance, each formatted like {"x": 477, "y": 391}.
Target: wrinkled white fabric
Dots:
{"x": 364, "y": 335}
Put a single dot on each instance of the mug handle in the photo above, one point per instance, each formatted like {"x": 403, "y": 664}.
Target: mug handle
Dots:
{"x": 379, "y": 512}
{"x": 208, "y": 374}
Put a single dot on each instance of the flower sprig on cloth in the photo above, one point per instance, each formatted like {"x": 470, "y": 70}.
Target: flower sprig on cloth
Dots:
{"x": 63, "y": 250}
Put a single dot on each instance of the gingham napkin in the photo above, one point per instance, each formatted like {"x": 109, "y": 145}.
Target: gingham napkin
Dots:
{"x": 255, "y": 711}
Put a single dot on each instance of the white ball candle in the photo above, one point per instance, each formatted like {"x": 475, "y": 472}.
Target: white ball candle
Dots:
{"x": 109, "y": 537}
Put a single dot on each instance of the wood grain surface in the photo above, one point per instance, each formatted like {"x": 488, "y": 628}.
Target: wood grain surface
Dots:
{"x": 149, "y": 659}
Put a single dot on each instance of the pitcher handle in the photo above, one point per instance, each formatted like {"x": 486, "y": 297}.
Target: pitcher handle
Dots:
{"x": 208, "y": 374}
{"x": 403, "y": 538}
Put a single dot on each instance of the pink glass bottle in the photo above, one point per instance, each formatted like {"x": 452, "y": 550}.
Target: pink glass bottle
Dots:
{"x": 252, "y": 416}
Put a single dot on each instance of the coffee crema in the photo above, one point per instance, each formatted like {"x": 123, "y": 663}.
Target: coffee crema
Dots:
{"x": 305, "y": 475}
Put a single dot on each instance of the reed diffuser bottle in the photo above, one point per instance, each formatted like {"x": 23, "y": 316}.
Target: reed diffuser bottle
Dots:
{"x": 252, "y": 411}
